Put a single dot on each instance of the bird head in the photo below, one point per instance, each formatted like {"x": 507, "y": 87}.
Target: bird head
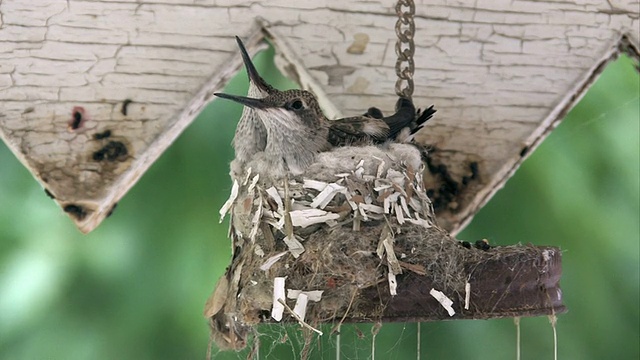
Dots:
{"x": 284, "y": 109}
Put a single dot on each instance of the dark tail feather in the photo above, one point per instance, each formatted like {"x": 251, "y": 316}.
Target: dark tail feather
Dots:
{"x": 404, "y": 116}
{"x": 422, "y": 118}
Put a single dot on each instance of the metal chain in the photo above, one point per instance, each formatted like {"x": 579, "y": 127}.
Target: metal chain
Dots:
{"x": 405, "y": 48}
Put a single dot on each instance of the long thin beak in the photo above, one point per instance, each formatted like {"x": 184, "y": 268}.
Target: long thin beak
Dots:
{"x": 246, "y": 101}
{"x": 254, "y": 77}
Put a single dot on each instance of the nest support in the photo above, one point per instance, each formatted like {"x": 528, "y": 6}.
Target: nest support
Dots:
{"x": 354, "y": 239}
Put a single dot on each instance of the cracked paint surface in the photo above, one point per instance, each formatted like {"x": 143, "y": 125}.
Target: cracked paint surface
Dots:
{"x": 500, "y": 73}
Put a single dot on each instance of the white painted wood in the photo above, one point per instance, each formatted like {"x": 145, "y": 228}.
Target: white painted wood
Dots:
{"x": 501, "y": 73}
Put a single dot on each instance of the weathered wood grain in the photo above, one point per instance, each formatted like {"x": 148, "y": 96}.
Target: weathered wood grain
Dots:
{"x": 501, "y": 73}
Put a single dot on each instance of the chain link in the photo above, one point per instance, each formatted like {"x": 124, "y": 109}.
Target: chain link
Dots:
{"x": 405, "y": 48}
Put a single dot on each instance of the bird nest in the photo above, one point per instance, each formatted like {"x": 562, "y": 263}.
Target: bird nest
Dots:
{"x": 334, "y": 243}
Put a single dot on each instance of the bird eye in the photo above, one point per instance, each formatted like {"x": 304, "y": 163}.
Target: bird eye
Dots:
{"x": 296, "y": 105}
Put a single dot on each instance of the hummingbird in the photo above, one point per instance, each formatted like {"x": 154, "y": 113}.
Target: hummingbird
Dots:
{"x": 288, "y": 128}
{"x": 251, "y": 134}
{"x": 295, "y": 127}
{"x": 400, "y": 129}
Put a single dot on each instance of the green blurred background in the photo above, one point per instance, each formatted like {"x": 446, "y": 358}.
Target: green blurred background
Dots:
{"x": 135, "y": 287}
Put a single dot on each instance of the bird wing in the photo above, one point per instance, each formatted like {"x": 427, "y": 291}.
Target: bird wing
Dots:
{"x": 372, "y": 127}
{"x": 403, "y": 117}
{"x": 357, "y": 129}
{"x": 407, "y": 121}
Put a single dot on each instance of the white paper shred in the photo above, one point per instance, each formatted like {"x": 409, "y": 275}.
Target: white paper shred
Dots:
{"x": 399, "y": 214}
{"x": 359, "y": 169}
{"x": 332, "y": 223}
{"x": 278, "y": 293}
{"x": 349, "y": 197}
{"x": 372, "y": 208}
{"x": 246, "y": 178}
{"x": 467, "y": 295}
{"x": 382, "y": 186}
{"x": 277, "y": 222}
{"x": 415, "y": 204}
{"x": 272, "y": 260}
{"x": 314, "y": 184}
{"x": 254, "y": 181}
{"x": 258, "y": 250}
{"x": 301, "y": 321}
{"x": 256, "y": 221}
{"x": 356, "y": 222}
{"x": 395, "y": 176}
{"x": 300, "y": 308}
{"x": 403, "y": 202}
{"x": 306, "y": 217}
{"x": 443, "y": 300}
{"x": 380, "y": 169}
{"x": 418, "y": 221}
{"x": 362, "y": 212}
{"x": 298, "y": 205}
{"x": 313, "y": 295}
{"x": 392, "y": 260}
{"x": 391, "y": 199}
{"x": 380, "y": 249}
{"x": 232, "y": 197}
{"x": 393, "y": 283}
{"x": 273, "y": 192}
{"x": 295, "y": 247}
{"x": 326, "y": 195}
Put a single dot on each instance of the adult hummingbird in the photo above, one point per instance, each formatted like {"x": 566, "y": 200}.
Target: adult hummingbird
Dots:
{"x": 251, "y": 135}
{"x": 296, "y": 129}
{"x": 287, "y": 128}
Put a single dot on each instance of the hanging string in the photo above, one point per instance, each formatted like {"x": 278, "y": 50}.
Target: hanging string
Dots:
{"x": 553, "y": 320}
{"x": 374, "y": 332}
{"x": 418, "y": 336}
{"x": 405, "y": 48}
{"x": 516, "y": 321}
{"x": 338, "y": 342}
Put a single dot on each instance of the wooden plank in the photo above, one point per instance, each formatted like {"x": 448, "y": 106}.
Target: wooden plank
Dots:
{"x": 501, "y": 73}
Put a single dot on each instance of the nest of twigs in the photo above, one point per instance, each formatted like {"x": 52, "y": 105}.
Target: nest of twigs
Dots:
{"x": 343, "y": 241}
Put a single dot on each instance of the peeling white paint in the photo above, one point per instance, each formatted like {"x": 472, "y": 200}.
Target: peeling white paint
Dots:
{"x": 500, "y": 74}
